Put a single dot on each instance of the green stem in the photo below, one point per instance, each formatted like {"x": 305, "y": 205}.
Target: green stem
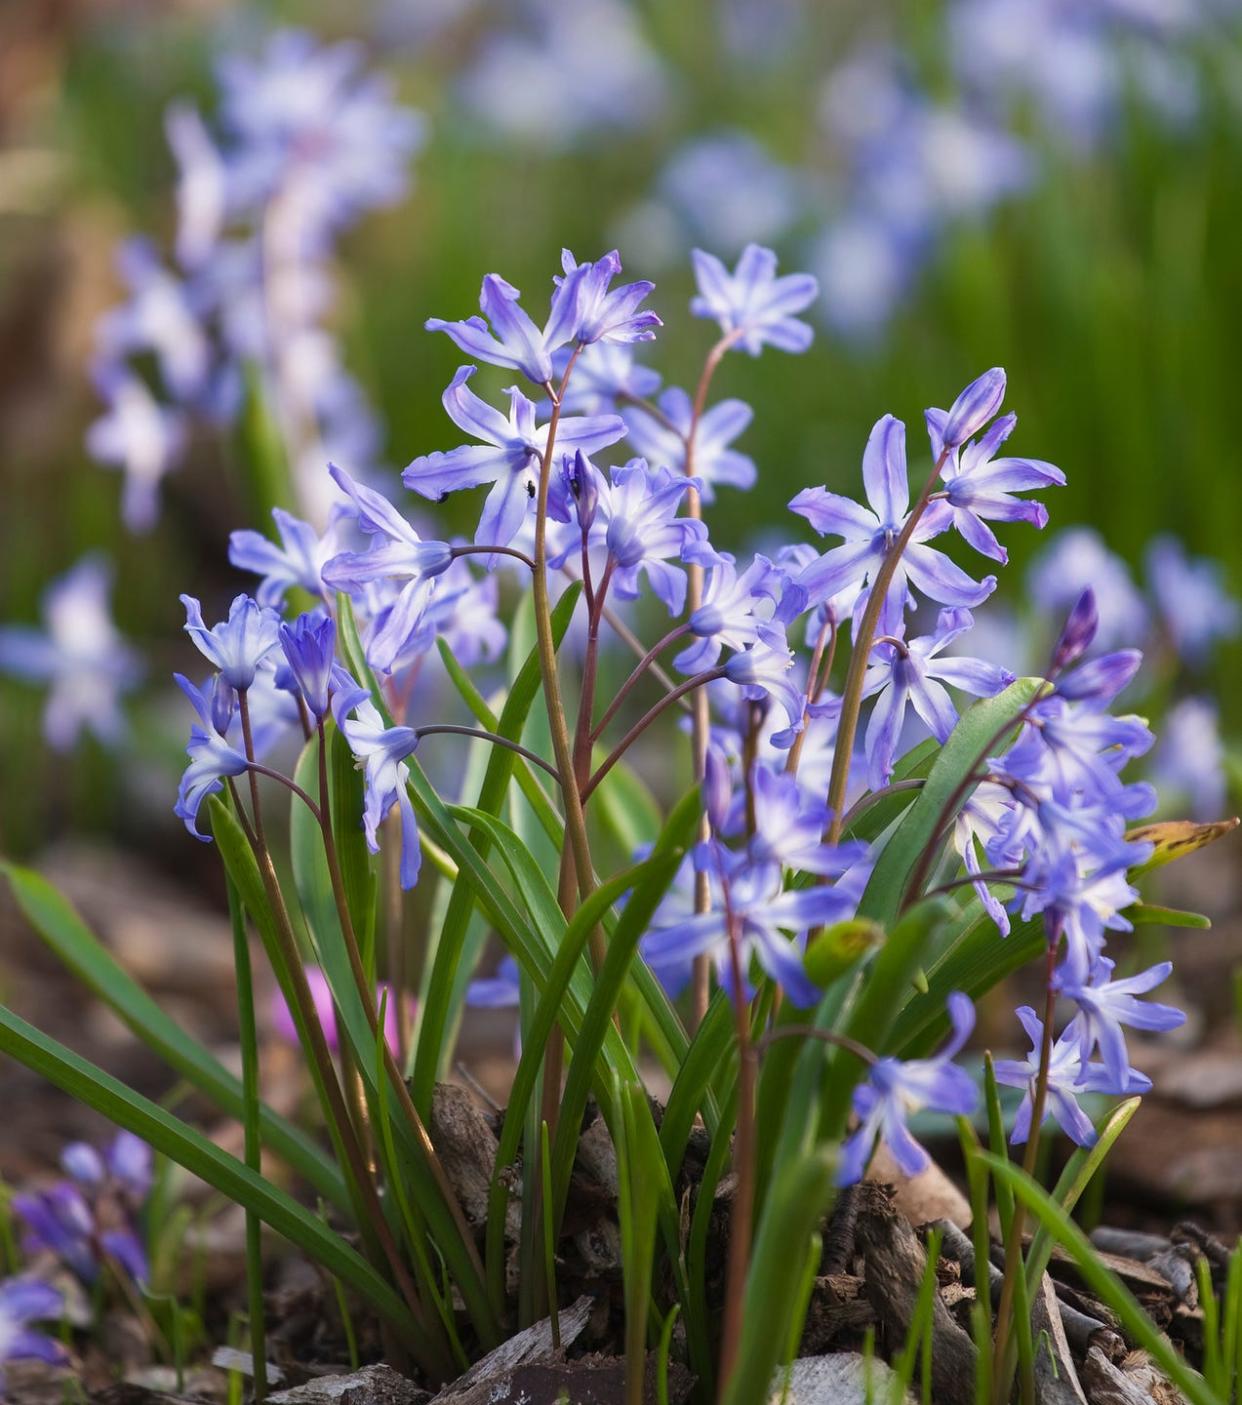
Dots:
{"x": 1013, "y": 1245}
{"x": 852, "y": 695}
{"x": 248, "y": 1034}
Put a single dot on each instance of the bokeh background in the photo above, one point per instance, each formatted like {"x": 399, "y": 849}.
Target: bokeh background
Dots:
{"x": 1050, "y": 185}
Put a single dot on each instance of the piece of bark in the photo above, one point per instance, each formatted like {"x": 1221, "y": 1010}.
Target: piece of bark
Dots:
{"x": 895, "y": 1264}
{"x": 838, "y": 1308}
{"x": 587, "y": 1380}
{"x": 466, "y": 1145}
{"x": 373, "y": 1385}
{"x": 1135, "y": 1382}
{"x": 1081, "y": 1329}
{"x": 1129, "y": 1243}
{"x": 930, "y": 1195}
{"x": 1056, "y": 1380}
{"x": 530, "y": 1345}
{"x": 844, "y": 1378}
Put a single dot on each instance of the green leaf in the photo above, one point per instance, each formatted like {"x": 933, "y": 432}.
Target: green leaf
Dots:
{"x": 63, "y": 930}
{"x": 1102, "y": 1281}
{"x": 181, "y": 1143}
{"x": 1073, "y": 1181}
{"x": 793, "y": 1210}
{"x": 839, "y": 948}
{"x": 1151, "y": 914}
{"x": 924, "y": 821}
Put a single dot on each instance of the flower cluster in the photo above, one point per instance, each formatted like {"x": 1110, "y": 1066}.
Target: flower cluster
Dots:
{"x": 779, "y": 770}
{"x": 91, "y": 1218}
{"x": 304, "y": 143}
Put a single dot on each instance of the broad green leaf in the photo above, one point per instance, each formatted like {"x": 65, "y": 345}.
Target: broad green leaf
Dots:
{"x": 710, "y": 1048}
{"x": 927, "y": 819}
{"x": 1103, "y": 1282}
{"x": 60, "y": 926}
{"x": 182, "y": 1144}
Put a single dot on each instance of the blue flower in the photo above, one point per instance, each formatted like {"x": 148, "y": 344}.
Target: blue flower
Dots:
{"x": 509, "y": 456}
{"x": 127, "y": 1165}
{"x": 868, "y": 534}
{"x": 1075, "y": 559}
{"x": 764, "y": 914}
{"x": 972, "y": 409}
{"x": 79, "y": 652}
{"x": 895, "y": 1089}
{"x": 141, "y": 437}
{"x": 382, "y": 752}
{"x": 1190, "y": 761}
{"x": 61, "y": 1220}
{"x": 978, "y": 485}
{"x": 605, "y": 374}
{"x": 297, "y": 561}
{"x": 789, "y": 828}
{"x": 308, "y": 123}
{"x": 498, "y": 992}
{"x": 1070, "y": 1075}
{"x": 23, "y": 1301}
{"x": 636, "y": 518}
{"x": 1105, "y": 1005}
{"x": 508, "y": 337}
{"x": 764, "y": 669}
{"x": 237, "y": 645}
{"x": 309, "y": 646}
{"x": 752, "y": 304}
{"x": 602, "y": 315}
{"x": 662, "y": 440}
{"x": 463, "y": 612}
{"x": 729, "y": 616}
{"x": 212, "y": 757}
{"x": 912, "y": 673}
{"x": 1191, "y": 596}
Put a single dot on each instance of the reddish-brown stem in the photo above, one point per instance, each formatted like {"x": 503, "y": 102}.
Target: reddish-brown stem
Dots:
{"x": 644, "y": 722}
{"x": 817, "y": 675}
{"x": 643, "y": 665}
{"x": 852, "y": 694}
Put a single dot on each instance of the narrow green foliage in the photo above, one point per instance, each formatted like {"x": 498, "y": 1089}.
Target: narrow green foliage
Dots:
{"x": 252, "y": 1135}
{"x": 918, "y": 1340}
{"x": 1105, "y": 1284}
{"x": 791, "y": 1215}
{"x": 167, "y": 1134}
{"x": 56, "y": 921}
{"x": 638, "y": 1212}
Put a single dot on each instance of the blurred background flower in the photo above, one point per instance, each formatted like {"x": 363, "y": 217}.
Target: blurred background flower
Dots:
{"x": 223, "y": 225}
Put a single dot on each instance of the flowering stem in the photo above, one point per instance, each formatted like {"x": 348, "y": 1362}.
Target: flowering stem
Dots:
{"x": 810, "y": 1031}
{"x": 645, "y": 663}
{"x": 700, "y": 979}
{"x": 872, "y": 797}
{"x": 1013, "y": 1244}
{"x": 338, "y": 1116}
{"x": 583, "y": 735}
{"x": 575, "y": 821}
{"x": 741, "y": 1224}
{"x": 256, "y": 770}
{"x": 644, "y": 722}
{"x": 493, "y": 551}
{"x": 851, "y": 697}
{"x": 818, "y": 673}
{"x": 451, "y": 729}
{"x": 366, "y": 993}
{"x": 253, "y": 1146}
